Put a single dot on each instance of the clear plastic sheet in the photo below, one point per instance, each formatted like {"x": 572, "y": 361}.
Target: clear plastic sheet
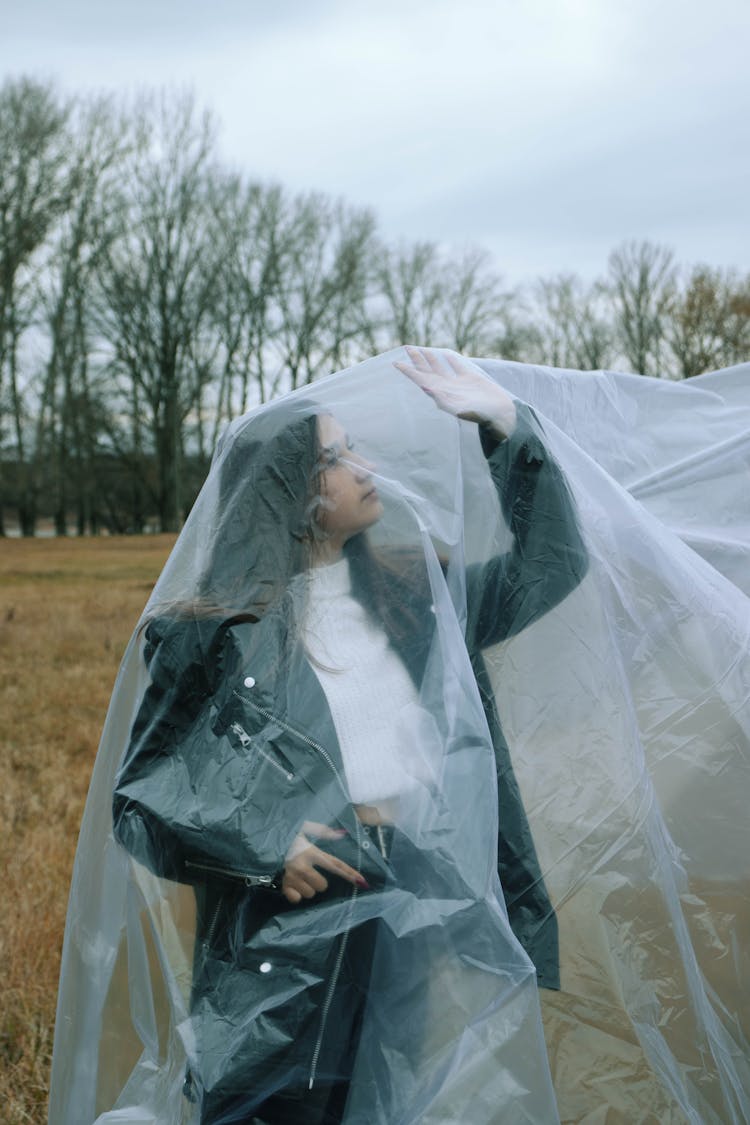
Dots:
{"x": 556, "y": 924}
{"x": 681, "y": 448}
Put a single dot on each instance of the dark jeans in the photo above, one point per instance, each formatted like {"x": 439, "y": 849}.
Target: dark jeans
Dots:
{"x": 342, "y": 1010}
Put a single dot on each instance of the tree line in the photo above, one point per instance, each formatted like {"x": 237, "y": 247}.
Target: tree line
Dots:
{"x": 149, "y": 293}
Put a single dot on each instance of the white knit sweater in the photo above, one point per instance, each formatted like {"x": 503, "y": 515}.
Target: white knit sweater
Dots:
{"x": 387, "y": 740}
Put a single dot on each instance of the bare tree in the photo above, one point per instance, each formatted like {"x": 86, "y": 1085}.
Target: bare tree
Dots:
{"x": 473, "y": 301}
{"x": 449, "y": 300}
{"x": 571, "y": 325}
{"x": 737, "y": 337}
{"x": 321, "y": 286}
{"x": 641, "y": 288}
{"x": 709, "y": 325}
{"x": 157, "y": 279}
{"x": 347, "y": 331}
{"x": 409, "y": 280}
{"x": 249, "y": 221}
{"x": 33, "y": 194}
{"x": 68, "y": 413}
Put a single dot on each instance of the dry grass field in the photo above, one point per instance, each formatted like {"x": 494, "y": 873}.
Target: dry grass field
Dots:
{"x": 67, "y": 609}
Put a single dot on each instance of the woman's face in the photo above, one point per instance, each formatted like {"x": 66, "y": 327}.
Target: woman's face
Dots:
{"x": 350, "y": 500}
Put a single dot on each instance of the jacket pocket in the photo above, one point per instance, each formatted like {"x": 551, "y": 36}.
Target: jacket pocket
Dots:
{"x": 261, "y": 750}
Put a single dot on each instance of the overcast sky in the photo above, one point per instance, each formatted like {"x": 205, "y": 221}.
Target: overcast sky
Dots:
{"x": 545, "y": 130}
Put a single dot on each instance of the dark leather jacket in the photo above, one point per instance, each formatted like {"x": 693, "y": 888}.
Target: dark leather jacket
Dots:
{"x": 234, "y": 745}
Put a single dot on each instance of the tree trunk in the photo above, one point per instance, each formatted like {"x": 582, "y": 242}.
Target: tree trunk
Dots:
{"x": 168, "y": 454}
{"x": 26, "y": 497}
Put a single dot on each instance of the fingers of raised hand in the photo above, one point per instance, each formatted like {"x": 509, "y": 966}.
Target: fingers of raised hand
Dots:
{"x": 426, "y": 363}
{"x": 436, "y": 372}
{"x": 462, "y": 367}
{"x": 459, "y": 387}
{"x": 423, "y": 379}
{"x": 426, "y": 360}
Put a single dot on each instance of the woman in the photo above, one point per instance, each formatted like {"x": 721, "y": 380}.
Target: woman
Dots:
{"x": 297, "y": 757}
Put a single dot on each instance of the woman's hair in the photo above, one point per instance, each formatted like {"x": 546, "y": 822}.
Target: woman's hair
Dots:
{"x": 266, "y": 530}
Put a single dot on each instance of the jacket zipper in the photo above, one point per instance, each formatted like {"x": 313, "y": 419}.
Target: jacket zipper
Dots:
{"x": 246, "y": 741}
{"x": 345, "y": 935}
{"x": 228, "y": 872}
{"x": 297, "y": 733}
{"x": 212, "y": 926}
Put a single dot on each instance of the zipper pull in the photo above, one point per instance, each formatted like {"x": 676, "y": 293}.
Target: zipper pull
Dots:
{"x": 241, "y": 733}
{"x": 259, "y": 881}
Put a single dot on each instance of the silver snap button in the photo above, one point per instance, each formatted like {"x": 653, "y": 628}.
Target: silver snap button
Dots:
{"x": 366, "y": 829}
{"x": 265, "y": 967}
{"x": 249, "y": 681}
{"x": 365, "y": 844}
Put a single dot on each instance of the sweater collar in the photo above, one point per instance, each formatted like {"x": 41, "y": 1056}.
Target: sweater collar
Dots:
{"x": 331, "y": 581}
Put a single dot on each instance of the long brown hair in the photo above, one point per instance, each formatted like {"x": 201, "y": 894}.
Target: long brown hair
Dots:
{"x": 266, "y": 533}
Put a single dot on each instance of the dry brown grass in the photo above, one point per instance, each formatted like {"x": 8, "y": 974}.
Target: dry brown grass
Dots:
{"x": 67, "y": 609}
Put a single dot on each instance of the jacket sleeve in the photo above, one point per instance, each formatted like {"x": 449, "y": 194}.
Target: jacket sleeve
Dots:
{"x": 548, "y": 558}
{"x": 185, "y": 803}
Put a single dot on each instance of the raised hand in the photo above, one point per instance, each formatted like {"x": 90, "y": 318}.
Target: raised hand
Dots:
{"x": 459, "y": 388}
{"x": 302, "y": 879}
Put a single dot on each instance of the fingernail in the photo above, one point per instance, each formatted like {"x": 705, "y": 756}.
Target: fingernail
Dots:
{"x": 363, "y": 883}
{"x": 341, "y": 831}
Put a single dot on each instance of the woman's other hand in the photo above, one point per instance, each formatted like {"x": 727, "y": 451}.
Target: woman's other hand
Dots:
{"x": 458, "y": 388}
{"x": 302, "y": 879}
